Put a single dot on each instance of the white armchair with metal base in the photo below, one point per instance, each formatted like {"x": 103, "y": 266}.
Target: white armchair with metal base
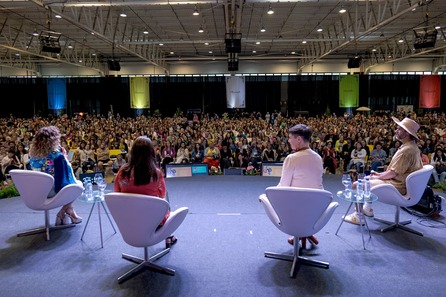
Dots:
{"x": 138, "y": 217}
{"x": 416, "y": 184}
{"x": 33, "y": 187}
{"x": 299, "y": 212}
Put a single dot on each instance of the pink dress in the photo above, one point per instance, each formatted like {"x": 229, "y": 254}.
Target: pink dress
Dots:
{"x": 154, "y": 188}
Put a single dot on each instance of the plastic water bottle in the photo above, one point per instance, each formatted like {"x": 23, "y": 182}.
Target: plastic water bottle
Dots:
{"x": 88, "y": 188}
{"x": 367, "y": 188}
{"x": 348, "y": 188}
{"x": 360, "y": 190}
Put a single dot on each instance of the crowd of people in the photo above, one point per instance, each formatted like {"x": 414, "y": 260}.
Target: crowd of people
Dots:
{"x": 344, "y": 142}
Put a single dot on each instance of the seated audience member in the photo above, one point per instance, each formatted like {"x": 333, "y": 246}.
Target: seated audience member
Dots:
{"x": 10, "y": 162}
{"x": 103, "y": 156}
{"x": 269, "y": 154}
{"x": 182, "y": 154}
{"x": 77, "y": 170}
{"x": 142, "y": 176}
{"x": 118, "y": 163}
{"x": 438, "y": 160}
{"x": 378, "y": 156}
{"x": 197, "y": 153}
{"x": 168, "y": 154}
{"x": 212, "y": 155}
{"x": 226, "y": 158}
{"x": 424, "y": 157}
{"x": 329, "y": 158}
{"x": 357, "y": 157}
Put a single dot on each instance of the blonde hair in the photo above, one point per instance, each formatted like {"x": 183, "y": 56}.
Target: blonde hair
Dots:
{"x": 46, "y": 140}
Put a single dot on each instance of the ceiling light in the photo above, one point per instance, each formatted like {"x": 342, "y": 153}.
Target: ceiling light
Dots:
{"x": 196, "y": 11}
{"x": 93, "y": 54}
{"x": 293, "y": 53}
{"x": 304, "y": 41}
{"x": 401, "y": 40}
{"x": 270, "y": 10}
{"x": 161, "y": 44}
{"x": 171, "y": 53}
{"x": 254, "y": 52}
{"x": 263, "y": 29}
{"x": 58, "y": 16}
{"x": 320, "y": 30}
{"x": 258, "y": 42}
{"x": 200, "y": 30}
{"x": 210, "y": 52}
{"x": 342, "y": 10}
{"x": 373, "y": 49}
{"x": 35, "y": 33}
{"x": 80, "y": 61}
{"x": 145, "y": 31}
{"x": 206, "y": 43}
{"x": 70, "y": 46}
{"x": 437, "y": 27}
{"x": 123, "y": 14}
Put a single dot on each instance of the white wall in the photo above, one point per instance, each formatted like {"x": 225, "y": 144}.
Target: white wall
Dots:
{"x": 220, "y": 67}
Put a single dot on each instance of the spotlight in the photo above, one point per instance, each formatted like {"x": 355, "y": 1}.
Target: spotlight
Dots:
{"x": 49, "y": 41}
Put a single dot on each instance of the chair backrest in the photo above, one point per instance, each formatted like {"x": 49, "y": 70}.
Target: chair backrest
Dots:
{"x": 416, "y": 183}
{"x": 299, "y": 209}
{"x": 137, "y": 216}
{"x": 33, "y": 187}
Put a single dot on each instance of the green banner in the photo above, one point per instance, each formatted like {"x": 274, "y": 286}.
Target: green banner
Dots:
{"x": 349, "y": 91}
{"x": 139, "y": 92}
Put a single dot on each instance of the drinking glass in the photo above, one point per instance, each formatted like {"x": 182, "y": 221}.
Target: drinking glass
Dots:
{"x": 100, "y": 182}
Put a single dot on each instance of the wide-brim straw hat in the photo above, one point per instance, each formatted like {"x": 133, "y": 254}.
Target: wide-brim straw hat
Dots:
{"x": 409, "y": 125}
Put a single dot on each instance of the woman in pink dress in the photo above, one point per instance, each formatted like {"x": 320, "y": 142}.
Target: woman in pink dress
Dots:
{"x": 141, "y": 175}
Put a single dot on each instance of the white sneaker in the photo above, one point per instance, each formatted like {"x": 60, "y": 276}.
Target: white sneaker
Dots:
{"x": 353, "y": 218}
{"x": 367, "y": 210}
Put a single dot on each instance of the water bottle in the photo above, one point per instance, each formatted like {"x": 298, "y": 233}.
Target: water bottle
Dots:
{"x": 360, "y": 190}
{"x": 348, "y": 188}
{"x": 88, "y": 188}
{"x": 367, "y": 188}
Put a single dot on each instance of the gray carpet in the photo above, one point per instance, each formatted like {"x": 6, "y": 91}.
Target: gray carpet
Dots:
{"x": 220, "y": 251}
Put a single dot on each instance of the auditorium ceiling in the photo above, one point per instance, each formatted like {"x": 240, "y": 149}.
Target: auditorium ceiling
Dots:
{"x": 90, "y": 33}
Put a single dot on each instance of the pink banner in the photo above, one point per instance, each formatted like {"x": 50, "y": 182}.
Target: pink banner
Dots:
{"x": 430, "y": 86}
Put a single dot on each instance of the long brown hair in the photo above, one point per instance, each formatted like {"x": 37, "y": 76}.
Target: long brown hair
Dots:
{"x": 142, "y": 162}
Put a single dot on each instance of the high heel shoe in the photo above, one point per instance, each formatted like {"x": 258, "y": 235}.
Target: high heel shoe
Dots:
{"x": 75, "y": 219}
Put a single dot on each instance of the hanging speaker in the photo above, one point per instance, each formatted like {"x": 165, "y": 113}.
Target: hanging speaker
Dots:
{"x": 354, "y": 62}
{"x": 113, "y": 65}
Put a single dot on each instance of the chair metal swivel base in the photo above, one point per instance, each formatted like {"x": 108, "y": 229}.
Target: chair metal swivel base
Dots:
{"x": 45, "y": 229}
{"x": 146, "y": 263}
{"x": 297, "y": 259}
{"x": 397, "y": 224}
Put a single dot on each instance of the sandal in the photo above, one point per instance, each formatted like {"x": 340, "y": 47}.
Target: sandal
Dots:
{"x": 171, "y": 240}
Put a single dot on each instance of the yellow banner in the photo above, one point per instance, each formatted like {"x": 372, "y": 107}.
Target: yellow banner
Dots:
{"x": 349, "y": 91}
{"x": 139, "y": 92}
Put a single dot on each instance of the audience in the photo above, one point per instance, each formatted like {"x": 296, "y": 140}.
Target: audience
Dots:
{"x": 89, "y": 136}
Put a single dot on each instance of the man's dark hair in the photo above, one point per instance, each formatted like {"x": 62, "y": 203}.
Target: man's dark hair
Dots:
{"x": 301, "y": 130}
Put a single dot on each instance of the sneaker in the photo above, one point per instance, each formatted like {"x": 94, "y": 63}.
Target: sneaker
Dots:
{"x": 353, "y": 218}
{"x": 367, "y": 210}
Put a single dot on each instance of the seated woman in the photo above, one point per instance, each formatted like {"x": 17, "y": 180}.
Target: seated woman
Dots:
{"x": 438, "y": 160}
{"x": 182, "y": 154}
{"x": 329, "y": 158}
{"x": 212, "y": 155}
{"x": 197, "y": 153}
{"x": 141, "y": 176}
{"x": 357, "y": 157}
